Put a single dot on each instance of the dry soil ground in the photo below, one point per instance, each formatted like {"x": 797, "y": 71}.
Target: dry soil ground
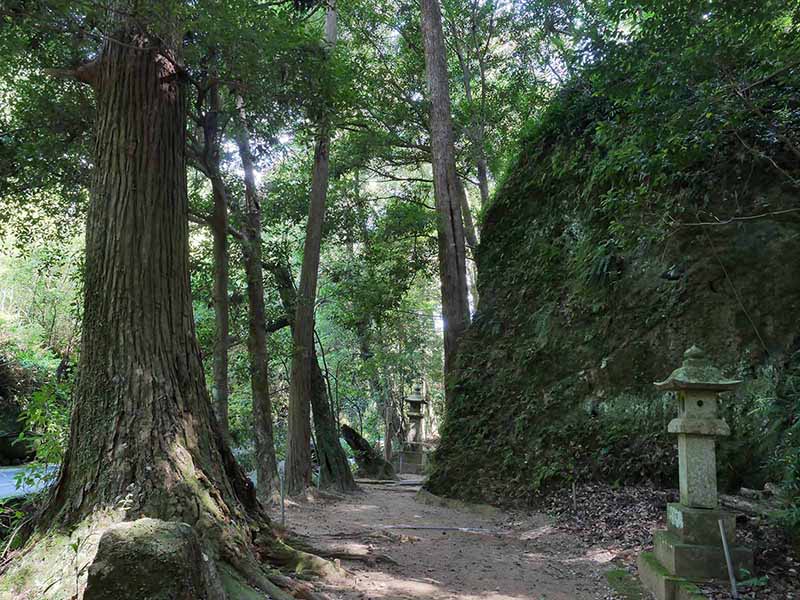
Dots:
{"x": 500, "y": 555}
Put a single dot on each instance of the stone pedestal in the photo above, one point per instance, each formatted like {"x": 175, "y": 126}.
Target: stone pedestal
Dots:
{"x": 690, "y": 549}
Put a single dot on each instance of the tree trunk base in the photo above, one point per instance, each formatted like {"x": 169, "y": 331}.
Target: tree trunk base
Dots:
{"x": 109, "y": 556}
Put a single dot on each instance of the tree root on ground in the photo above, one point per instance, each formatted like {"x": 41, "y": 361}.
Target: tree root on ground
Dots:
{"x": 58, "y": 564}
{"x": 370, "y": 559}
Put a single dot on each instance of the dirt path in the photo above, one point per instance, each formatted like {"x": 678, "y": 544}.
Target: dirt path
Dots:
{"x": 504, "y": 556}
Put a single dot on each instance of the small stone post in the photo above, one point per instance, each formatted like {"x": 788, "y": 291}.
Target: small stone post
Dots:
{"x": 691, "y": 547}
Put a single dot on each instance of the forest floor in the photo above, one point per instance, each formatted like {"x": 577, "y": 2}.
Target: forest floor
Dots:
{"x": 581, "y": 544}
{"x": 498, "y": 555}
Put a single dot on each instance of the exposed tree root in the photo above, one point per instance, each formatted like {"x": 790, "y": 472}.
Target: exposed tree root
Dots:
{"x": 56, "y": 565}
{"x": 370, "y": 559}
{"x": 295, "y": 557}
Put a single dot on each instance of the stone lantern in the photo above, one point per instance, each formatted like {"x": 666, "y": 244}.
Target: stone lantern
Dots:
{"x": 412, "y": 455}
{"x": 415, "y": 414}
{"x": 690, "y": 549}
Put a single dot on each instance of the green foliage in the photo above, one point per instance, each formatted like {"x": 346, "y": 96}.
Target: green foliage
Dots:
{"x": 669, "y": 118}
{"x": 46, "y": 418}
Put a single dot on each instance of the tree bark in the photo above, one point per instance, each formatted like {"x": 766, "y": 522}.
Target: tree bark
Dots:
{"x": 219, "y": 229}
{"x": 448, "y": 191}
{"x": 298, "y": 453}
{"x": 334, "y": 468}
{"x": 220, "y": 388}
{"x": 266, "y": 462}
{"x": 471, "y": 235}
{"x": 142, "y": 426}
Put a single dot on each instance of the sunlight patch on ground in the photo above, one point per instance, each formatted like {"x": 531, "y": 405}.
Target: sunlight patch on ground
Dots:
{"x": 537, "y": 533}
{"x": 597, "y": 555}
{"x": 387, "y": 586}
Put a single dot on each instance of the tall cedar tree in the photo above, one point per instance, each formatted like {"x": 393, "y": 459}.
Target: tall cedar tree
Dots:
{"x": 301, "y": 390}
{"x": 142, "y": 426}
{"x": 448, "y": 190}
{"x": 266, "y": 463}
{"x": 334, "y": 468}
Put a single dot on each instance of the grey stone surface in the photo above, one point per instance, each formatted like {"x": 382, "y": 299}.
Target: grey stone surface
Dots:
{"x": 699, "y": 526}
{"x": 691, "y": 547}
{"x": 697, "y": 471}
{"x": 698, "y": 562}
{"x": 663, "y": 585}
{"x": 153, "y": 559}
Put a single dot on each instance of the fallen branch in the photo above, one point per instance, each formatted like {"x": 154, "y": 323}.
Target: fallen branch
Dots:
{"x": 773, "y": 213}
{"x": 370, "y": 559}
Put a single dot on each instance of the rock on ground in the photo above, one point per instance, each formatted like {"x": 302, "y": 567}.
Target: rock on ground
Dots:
{"x": 153, "y": 559}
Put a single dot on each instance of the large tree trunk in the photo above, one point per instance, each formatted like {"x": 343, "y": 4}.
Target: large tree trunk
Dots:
{"x": 144, "y": 441}
{"x": 448, "y": 191}
{"x": 142, "y": 419}
{"x": 334, "y": 469}
{"x": 298, "y": 453}
{"x": 266, "y": 462}
{"x": 148, "y": 480}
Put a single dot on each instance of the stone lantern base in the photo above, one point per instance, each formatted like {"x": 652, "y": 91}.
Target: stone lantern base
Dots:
{"x": 690, "y": 550}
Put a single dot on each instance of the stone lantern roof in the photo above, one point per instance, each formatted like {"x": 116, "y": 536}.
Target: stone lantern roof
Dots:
{"x": 696, "y": 373}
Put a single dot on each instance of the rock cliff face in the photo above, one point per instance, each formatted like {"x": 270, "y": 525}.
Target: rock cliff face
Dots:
{"x": 586, "y": 298}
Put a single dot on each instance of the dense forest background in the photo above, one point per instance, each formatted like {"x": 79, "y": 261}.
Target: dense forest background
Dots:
{"x": 631, "y": 173}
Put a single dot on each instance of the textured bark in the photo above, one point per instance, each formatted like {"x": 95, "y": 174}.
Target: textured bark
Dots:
{"x": 471, "y": 236}
{"x": 470, "y": 233}
{"x": 266, "y": 463}
{"x": 220, "y": 388}
{"x": 219, "y": 228}
{"x": 142, "y": 425}
{"x": 298, "y": 452}
{"x": 335, "y": 471}
{"x": 448, "y": 190}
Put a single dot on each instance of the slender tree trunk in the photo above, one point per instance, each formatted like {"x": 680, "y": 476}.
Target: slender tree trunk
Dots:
{"x": 219, "y": 229}
{"x": 471, "y": 235}
{"x": 483, "y": 175}
{"x": 476, "y": 128}
{"x": 363, "y": 335}
{"x": 142, "y": 425}
{"x": 448, "y": 191}
{"x": 266, "y": 463}
{"x": 298, "y": 454}
{"x": 334, "y": 468}
{"x": 221, "y": 310}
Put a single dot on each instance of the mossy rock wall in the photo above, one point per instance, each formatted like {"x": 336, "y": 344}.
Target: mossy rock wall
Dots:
{"x": 595, "y": 276}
